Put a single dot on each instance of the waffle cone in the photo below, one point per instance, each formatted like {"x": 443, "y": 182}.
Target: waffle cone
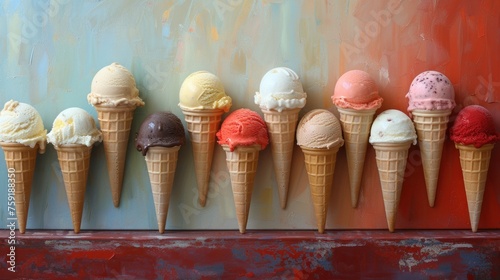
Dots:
{"x": 74, "y": 161}
{"x": 475, "y": 163}
{"x": 202, "y": 126}
{"x": 161, "y": 162}
{"x": 431, "y": 130}
{"x": 281, "y": 127}
{"x": 356, "y": 126}
{"x": 242, "y": 165}
{"x": 115, "y": 125}
{"x": 391, "y": 164}
{"x": 320, "y": 166}
{"x": 22, "y": 160}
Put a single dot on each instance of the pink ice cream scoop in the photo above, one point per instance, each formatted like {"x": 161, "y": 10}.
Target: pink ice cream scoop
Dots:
{"x": 355, "y": 89}
{"x": 474, "y": 125}
{"x": 431, "y": 90}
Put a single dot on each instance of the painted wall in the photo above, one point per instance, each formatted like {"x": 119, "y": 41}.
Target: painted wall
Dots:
{"x": 52, "y": 49}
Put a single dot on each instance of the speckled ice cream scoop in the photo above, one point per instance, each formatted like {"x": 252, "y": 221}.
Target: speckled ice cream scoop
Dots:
{"x": 431, "y": 90}
{"x": 392, "y": 126}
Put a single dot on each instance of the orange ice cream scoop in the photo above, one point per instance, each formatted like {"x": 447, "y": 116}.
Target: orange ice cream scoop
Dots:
{"x": 243, "y": 127}
{"x": 356, "y": 90}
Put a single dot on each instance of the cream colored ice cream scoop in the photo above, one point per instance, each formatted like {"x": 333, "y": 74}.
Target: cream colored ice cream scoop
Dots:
{"x": 392, "y": 126}
{"x": 74, "y": 126}
{"x": 21, "y": 123}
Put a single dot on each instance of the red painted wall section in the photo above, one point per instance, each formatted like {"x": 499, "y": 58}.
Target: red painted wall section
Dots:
{"x": 460, "y": 39}
{"x": 255, "y": 255}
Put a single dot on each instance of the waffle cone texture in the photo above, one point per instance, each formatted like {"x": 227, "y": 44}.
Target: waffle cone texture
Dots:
{"x": 475, "y": 164}
{"x": 242, "y": 166}
{"x": 115, "y": 125}
{"x": 356, "y": 126}
{"x": 22, "y": 160}
{"x": 281, "y": 127}
{"x": 431, "y": 129}
{"x": 320, "y": 167}
{"x": 161, "y": 163}
{"x": 391, "y": 163}
{"x": 202, "y": 126}
{"x": 74, "y": 161}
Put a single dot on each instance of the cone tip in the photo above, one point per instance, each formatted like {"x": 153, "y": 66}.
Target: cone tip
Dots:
{"x": 283, "y": 194}
{"x": 116, "y": 202}
{"x": 354, "y": 202}
{"x": 202, "y": 201}
{"x": 474, "y": 225}
{"x": 431, "y": 203}
{"x": 161, "y": 224}
{"x": 431, "y": 189}
{"x": 283, "y": 205}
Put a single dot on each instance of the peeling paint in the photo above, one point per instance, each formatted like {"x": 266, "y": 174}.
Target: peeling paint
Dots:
{"x": 288, "y": 255}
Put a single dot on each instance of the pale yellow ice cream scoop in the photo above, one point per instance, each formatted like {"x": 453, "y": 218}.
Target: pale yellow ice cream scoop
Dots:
{"x": 203, "y": 90}
{"x": 74, "y": 126}
{"x": 21, "y": 123}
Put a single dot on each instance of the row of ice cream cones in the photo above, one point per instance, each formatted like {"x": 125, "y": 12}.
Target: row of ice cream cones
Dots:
{"x": 74, "y": 162}
{"x": 243, "y": 139}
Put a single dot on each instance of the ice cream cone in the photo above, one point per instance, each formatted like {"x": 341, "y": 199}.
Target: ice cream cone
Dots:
{"x": 21, "y": 160}
{"x": 74, "y": 161}
{"x": 431, "y": 129}
{"x": 320, "y": 166}
{"x": 242, "y": 165}
{"x": 115, "y": 125}
{"x": 391, "y": 164}
{"x": 161, "y": 162}
{"x": 356, "y": 128}
{"x": 202, "y": 126}
{"x": 281, "y": 127}
{"x": 475, "y": 163}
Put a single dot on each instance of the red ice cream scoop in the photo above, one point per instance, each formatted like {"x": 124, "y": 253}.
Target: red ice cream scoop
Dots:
{"x": 474, "y": 125}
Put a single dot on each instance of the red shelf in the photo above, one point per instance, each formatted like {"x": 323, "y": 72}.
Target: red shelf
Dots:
{"x": 256, "y": 254}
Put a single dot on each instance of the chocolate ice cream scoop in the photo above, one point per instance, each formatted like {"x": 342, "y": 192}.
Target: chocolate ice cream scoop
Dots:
{"x": 162, "y": 129}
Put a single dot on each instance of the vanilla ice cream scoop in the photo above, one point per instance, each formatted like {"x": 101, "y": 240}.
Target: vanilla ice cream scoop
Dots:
{"x": 203, "y": 90}
{"x": 21, "y": 123}
{"x": 280, "y": 89}
{"x": 113, "y": 86}
{"x": 392, "y": 126}
{"x": 74, "y": 126}
{"x": 319, "y": 129}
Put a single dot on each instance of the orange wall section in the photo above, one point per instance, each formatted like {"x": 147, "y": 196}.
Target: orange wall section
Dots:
{"x": 460, "y": 39}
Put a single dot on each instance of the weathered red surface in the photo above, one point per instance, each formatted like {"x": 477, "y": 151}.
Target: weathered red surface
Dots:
{"x": 263, "y": 254}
